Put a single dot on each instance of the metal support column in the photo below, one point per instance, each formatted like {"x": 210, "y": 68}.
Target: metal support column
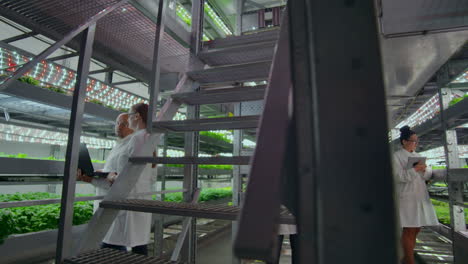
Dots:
{"x": 159, "y": 218}
{"x": 64, "y": 240}
{"x": 345, "y": 187}
{"x": 190, "y": 184}
{"x": 261, "y": 18}
{"x": 196, "y": 36}
{"x": 236, "y": 176}
{"x": 240, "y": 11}
{"x": 163, "y": 176}
{"x": 109, "y": 77}
{"x": 154, "y": 84}
{"x": 455, "y": 188}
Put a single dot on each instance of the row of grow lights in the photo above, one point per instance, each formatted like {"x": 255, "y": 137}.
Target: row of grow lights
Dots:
{"x": 33, "y": 135}
{"x": 427, "y": 111}
{"x": 437, "y": 155}
{"x": 186, "y": 17}
{"x": 48, "y": 73}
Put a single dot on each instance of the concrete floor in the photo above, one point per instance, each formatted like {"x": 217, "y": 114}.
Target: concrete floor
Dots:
{"x": 219, "y": 251}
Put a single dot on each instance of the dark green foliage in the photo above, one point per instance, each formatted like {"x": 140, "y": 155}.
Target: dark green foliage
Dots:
{"x": 96, "y": 101}
{"x": 6, "y": 224}
{"x": 28, "y": 79}
{"x": 27, "y": 219}
{"x": 56, "y": 89}
{"x": 215, "y": 194}
{"x": 208, "y": 194}
{"x": 25, "y": 156}
{"x": 218, "y": 136}
{"x": 210, "y": 147}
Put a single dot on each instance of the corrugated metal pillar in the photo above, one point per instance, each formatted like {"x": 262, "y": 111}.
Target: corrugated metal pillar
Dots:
{"x": 346, "y": 208}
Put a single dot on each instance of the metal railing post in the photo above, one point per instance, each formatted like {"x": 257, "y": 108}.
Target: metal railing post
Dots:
{"x": 154, "y": 84}
{"x": 236, "y": 176}
{"x": 64, "y": 240}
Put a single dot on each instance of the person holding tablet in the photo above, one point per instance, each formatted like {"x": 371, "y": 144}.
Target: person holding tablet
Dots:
{"x": 415, "y": 209}
{"x": 129, "y": 229}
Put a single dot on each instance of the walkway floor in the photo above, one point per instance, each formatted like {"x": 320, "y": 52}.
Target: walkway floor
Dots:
{"x": 433, "y": 248}
{"x": 219, "y": 251}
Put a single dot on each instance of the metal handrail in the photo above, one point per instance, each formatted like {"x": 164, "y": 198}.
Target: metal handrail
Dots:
{"x": 77, "y": 199}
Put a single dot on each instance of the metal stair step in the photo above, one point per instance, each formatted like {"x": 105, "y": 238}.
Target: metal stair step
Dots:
{"x": 236, "y": 160}
{"x": 235, "y": 73}
{"x": 201, "y": 210}
{"x": 248, "y": 53}
{"x": 110, "y": 256}
{"x": 226, "y": 95}
{"x": 224, "y": 123}
{"x": 265, "y": 36}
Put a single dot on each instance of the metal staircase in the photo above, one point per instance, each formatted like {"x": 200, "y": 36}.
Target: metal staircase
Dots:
{"x": 230, "y": 65}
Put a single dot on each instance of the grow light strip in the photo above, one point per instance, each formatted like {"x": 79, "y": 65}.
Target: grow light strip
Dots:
{"x": 33, "y": 135}
{"x": 439, "y": 153}
{"x": 427, "y": 111}
{"x": 217, "y": 20}
{"x": 52, "y": 74}
{"x": 186, "y": 17}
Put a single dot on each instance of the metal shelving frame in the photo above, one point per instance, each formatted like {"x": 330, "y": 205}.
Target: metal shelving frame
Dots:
{"x": 442, "y": 130}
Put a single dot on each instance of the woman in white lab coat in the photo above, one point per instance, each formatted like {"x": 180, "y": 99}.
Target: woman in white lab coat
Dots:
{"x": 415, "y": 209}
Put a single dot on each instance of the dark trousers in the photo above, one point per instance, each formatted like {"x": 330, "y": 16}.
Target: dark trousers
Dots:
{"x": 142, "y": 250}
{"x": 293, "y": 242}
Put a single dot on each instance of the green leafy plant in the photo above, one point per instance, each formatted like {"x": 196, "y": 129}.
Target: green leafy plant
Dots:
{"x": 215, "y": 135}
{"x": 96, "y": 101}
{"x": 25, "y": 156}
{"x": 27, "y": 219}
{"x": 457, "y": 100}
{"x": 443, "y": 212}
{"x": 28, "y": 79}
{"x": 56, "y": 89}
{"x": 125, "y": 110}
{"x": 6, "y": 224}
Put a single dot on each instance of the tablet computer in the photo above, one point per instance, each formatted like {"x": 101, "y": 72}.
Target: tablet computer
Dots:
{"x": 413, "y": 161}
{"x": 85, "y": 164}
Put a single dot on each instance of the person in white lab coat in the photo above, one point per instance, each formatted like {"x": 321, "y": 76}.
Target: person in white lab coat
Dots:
{"x": 131, "y": 229}
{"x": 415, "y": 209}
{"x": 122, "y": 131}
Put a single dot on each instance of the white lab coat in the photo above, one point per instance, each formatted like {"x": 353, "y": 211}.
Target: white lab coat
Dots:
{"x": 130, "y": 229}
{"x": 415, "y": 206}
{"x": 111, "y": 165}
